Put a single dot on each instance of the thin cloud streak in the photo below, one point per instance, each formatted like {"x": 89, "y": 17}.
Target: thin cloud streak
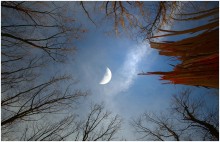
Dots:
{"x": 125, "y": 76}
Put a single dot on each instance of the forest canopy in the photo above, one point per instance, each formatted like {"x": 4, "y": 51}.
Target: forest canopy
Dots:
{"x": 51, "y": 53}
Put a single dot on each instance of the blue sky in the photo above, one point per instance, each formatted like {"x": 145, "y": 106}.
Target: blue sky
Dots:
{"x": 127, "y": 94}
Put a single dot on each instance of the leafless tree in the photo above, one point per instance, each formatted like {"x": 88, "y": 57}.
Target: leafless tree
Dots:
{"x": 189, "y": 119}
{"x": 196, "y": 113}
{"x": 164, "y": 12}
{"x": 36, "y": 100}
{"x": 32, "y": 33}
{"x": 145, "y": 17}
{"x": 100, "y": 125}
{"x": 160, "y": 128}
{"x": 119, "y": 14}
{"x": 56, "y": 131}
{"x": 39, "y": 26}
{"x": 34, "y": 103}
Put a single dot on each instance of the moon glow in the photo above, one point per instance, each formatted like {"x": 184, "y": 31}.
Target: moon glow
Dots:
{"x": 107, "y": 77}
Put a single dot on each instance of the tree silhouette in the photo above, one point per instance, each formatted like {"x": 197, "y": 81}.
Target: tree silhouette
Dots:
{"x": 129, "y": 15}
{"x": 40, "y": 26}
{"x": 38, "y": 32}
{"x": 189, "y": 119}
{"x": 35, "y": 34}
{"x": 32, "y": 34}
{"x": 56, "y": 131}
{"x": 199, "y": 64}
{"x": 97, "y": 125}
{"x": 39, "y": 99}
{"x": 100, "y": 125}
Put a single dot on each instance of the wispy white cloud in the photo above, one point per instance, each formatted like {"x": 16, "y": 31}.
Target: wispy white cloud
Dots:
{"x": 126, "y": 74}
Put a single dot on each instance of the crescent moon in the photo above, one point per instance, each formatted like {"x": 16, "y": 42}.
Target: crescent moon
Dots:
{"x": 107, "y": 77}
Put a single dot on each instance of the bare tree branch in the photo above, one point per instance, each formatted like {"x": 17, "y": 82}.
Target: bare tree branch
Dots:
{"x": 184, "y": 119}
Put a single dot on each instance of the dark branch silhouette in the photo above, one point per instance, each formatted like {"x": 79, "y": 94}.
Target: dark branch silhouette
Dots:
{"x": 32, "y": 34}
{"x": 33, "y": 25}
{"x": 37, "y": 100}
{"x": 95, "y": 127}
{"x": 98, "y": 125}
{"x": 188, "y": 116}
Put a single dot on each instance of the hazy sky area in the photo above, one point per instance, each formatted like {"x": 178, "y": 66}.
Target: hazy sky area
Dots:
{"x": 127, "y": 94}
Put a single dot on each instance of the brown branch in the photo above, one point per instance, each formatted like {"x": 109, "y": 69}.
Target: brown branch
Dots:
{"x": 87, "y": 13}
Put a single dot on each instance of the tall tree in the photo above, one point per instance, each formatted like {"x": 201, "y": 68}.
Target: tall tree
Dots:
{"x": 40, "y": 26}
{"x": 33, "y": 33}
{"x": 189, "y": 119}
{"x": 100, "y": 125}
{"x": 97, "y": 125}
{"x": 128, "y": 16}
